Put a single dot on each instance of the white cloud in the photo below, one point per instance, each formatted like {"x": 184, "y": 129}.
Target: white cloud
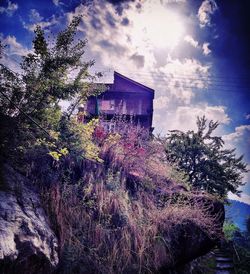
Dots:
{"x": 245, "y": 198}
{"x": 239, "y": 139}
{"x": 113, "y": 44}
{"x": 34, "y": 16}
{"x": 191, "y": 41}
{"x": 207, "y": 8}
{"x": 14, "y": 47}
{"x": 13, "y": 52}
{"x": 184, "y": 117}
{"x": 180, "y": 93}
{"x": 37, "y": 21}
{"x": 10, "y": 9}
{"x": 55, "y": 2}
{"x": 181, "y": 78}
{"x": 238, "y": 134}
{"x": 109, "y": 45}
{"x": 246, "y": 177}
{"x": 206, "y": 49}
{"x": 58, "y": 3}
{"x": 186, "y": 68}
{"x": 248, "y": 117}
{"x": 161, "y": 102}
{"x": 174, "y": 80}
{"x": 173, "y": 1}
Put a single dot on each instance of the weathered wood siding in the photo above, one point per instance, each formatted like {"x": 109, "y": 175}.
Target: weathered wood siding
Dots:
{"x": 124, "y": 97}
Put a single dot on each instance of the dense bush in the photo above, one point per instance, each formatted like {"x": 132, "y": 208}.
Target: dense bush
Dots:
{"x": 121, "y": 215}
{"x": 201, "y": 156}
{"x": 32, "y": 121}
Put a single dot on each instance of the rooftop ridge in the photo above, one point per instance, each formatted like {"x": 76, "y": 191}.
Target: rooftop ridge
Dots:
{"x": 133, "y": 81}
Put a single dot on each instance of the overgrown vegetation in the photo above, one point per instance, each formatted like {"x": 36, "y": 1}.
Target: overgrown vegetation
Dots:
{"x": 116, "y": 200}
{"x": 122, "y": 217}
{"x": 229, "y": 229}
{"x": 234, "y": 249}
{"x": 201, "y": 156}
{"x": 238, "y": 244}
{"x": 31, "y": 118}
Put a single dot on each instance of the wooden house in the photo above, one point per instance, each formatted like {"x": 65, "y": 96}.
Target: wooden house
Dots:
{"x": 124, "y": 97}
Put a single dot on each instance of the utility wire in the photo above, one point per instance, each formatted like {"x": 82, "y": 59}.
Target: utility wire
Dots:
{"x": 203, "y": 78}
{"x": 228, "y": 78}
{"x": 26, "y": 115}
{"x": 207, "y": 81}
{"x": 33, "y": 121}
{"x": 175, "y": 76}
{"x": 214, "y": 87}
{"x": 184, "y": 78}
{"x": 212, "y": 84}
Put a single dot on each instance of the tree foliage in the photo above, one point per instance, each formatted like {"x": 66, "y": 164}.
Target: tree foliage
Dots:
{"x": 31, "y": 114}
{"x": 229, "y": 229}
{"x": 201, "y": 156}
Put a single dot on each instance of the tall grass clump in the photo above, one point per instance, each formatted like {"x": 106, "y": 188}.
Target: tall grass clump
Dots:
{"x": 120, "y": 215}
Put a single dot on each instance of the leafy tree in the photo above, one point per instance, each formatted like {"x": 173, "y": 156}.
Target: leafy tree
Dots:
{"x": 201, "y": 156}
{"x": 30, "y": 113}
{"x": 229, "y": 229}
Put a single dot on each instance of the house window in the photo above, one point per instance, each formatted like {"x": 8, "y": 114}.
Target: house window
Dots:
{"x": 107, "y": 105}
{"x": 112, "y": 104}
{"x": 140, "y": 107}
{"x": 122, "y": 107}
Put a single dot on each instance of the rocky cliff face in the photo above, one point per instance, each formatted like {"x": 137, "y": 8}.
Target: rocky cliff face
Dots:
{"x": 27, "y": 243}
{"x": 188, "y": 242}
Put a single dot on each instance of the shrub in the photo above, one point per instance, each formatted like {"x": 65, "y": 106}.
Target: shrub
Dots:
{"x": 119, "y": 216}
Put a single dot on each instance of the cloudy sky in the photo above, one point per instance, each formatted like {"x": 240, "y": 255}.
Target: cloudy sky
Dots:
{"x": 195, "y": 54}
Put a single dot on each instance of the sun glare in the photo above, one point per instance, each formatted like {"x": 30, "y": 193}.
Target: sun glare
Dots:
{"x": 164, "y": 29}
{"x": 160, "y": 27}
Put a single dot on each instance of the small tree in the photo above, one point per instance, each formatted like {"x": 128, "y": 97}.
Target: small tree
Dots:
{"x": 229, "y": 229}
{"x": 31, "y": 118}
{"x": 201, "y": 156}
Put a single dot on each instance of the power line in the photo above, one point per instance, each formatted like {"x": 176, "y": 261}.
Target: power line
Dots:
{"x": 202, "y": 78}
{"x": 210, "y": 84}
{"x": 219, "y": 78}
{"x": 215, "y": 87}
{"x": 206, "y": 81}
{"x": 26, "y": 115}
{"x": 213, "y": 77}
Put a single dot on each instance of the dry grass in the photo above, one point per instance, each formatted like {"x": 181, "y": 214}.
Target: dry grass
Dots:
{"x": 120, "y": 216}
{"x": 106, "y": 230}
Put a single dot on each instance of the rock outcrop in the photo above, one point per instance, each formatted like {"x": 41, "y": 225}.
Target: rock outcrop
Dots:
{"x": 27, "y": 243}
{"x": 188, "y": 241}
